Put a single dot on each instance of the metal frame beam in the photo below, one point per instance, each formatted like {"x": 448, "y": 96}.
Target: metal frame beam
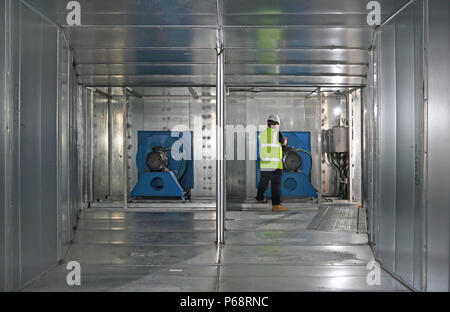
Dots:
{"x": 100, "y": 92}
{"x": 220, "y": 156}
{"x": 133, "y": 92}
{"x": 390, "y": 18}
{"x": 125, "y": 145}
{"x": 319, "y": 146}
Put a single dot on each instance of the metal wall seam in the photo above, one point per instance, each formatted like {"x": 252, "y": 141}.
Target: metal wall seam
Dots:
{"x": 69, "y": 140}
{"x": 375, "y": 141}
{"x": 3, "y": 133}
{"x": 85, "y": 146}
{"x": 58, "y": 146}
{"x": 80, "y": 135}
{"x": 349, "y": 97}
{"x": 438, "y": 144}
{"x": 110, "y": 143}
{"x": 220, "y": 120}
{"x": 125, "y": 147}
{"x": 424, "y": 202}
{"x": 91, "y": 149}
{"x": 12, "y": 220}
{"x": 19, "y": 122}
{"x": 319, "y": 146}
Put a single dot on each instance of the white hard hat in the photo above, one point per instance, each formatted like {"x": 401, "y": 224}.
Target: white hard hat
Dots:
{"x": 274, "y": 118}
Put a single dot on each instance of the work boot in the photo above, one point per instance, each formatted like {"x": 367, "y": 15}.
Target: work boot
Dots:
{"x": 279, "y": 208}
{"x": 262, "y": 202}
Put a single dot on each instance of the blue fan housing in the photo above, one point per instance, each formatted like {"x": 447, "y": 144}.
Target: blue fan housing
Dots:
{"x": 295, "y": 184}
{"x": 180, "y": 174}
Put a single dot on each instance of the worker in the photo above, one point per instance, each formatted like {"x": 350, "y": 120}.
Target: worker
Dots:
{"x": 271, "y": 162}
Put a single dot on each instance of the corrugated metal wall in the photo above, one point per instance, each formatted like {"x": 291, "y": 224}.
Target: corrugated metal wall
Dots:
{"x": 63, "y": 151}
{"x": 37, "y": 159}
{"x": 68, "y": 150}
{"x": 409, "y": 201}
{"x": 38, "y": 141}
{"x": 400, "y": 142}
{"x": 438, "y": 120}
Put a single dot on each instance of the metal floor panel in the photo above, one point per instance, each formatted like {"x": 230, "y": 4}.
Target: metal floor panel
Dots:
{"x": 252, "y": 206}
{"x": 129, "y": 284}
{"x": 175, "y": 251}
{"x": 297, "y": 255}
{"x": 274, "y": 270}
{"x": 142, "y": 255}
{"x": 264, "y": 221}
{"x": 267, "y": 225}
{"x": 255, "y": 216}
{"x": 99, "y": 214}
{"x": 145, "y": 238}
{"x": 293, "y": 238}
{"x": 297, "y": 284}
{"x": 132, "y": 278}
{"x": 148, "y": 226}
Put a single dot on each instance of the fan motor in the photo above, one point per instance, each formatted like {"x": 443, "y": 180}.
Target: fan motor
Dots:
{"x": 157, "y": 159}
{"x": 292, "y": 161}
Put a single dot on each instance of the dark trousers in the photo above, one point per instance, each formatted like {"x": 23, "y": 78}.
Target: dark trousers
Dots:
{"x": 274, "y": 177}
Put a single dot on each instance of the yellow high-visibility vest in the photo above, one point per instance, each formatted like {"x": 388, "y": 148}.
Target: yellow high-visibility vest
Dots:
{"x": 270, "y": 150}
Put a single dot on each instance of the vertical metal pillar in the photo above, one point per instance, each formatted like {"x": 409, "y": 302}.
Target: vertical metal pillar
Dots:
{"x": 11, "y": 223}
{"x": 319, "y": 147}
{"x": 110, "y": 143}
{"x": 91, "y": 148}
{"x": 59, "y": 254}
{"x": 125, "y": 150}
{"x": 423, "y": 204}
{"x": 86, "y": 148}
{"x": 81, "y": 137}
{"x": 220, "y": 117}
{"x": 350, "y": 114}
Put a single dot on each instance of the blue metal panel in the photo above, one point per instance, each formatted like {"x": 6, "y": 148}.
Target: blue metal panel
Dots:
{"x": 295, "y": 184}
{"x": 182, "y": 170}
{"x": 158, "y": 184}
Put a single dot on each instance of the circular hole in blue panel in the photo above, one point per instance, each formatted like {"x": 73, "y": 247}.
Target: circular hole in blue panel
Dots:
{"x": 157, "y": 184}
{"x": 290, "y": 184}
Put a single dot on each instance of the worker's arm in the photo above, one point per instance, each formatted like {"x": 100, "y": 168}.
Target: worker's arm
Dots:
{"x": 283, "y": 139}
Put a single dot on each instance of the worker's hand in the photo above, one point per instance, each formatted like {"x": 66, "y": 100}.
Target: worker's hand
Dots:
{"x": 285, "y": 142}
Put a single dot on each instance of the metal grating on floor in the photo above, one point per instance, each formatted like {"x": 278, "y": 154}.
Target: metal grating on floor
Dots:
{"x": 340, "y": 219}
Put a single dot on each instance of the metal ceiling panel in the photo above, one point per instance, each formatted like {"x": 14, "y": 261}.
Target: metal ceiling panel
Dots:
{"x": 136, "y": 12}
{"x": 273, "y": 80}
{"x": 136, "y": 37}
{"x": 146, "y": 69}
{"x": 296, "y": 70}
{"x": 229, "y": 7}
{"x": 276, "y": 38}
{"x": 351, "y": 19}
{"x": 119, "y": 55}
{"x": 159, "y": 42}
{"x": 203, "y": 80}
{"x": 203, "y": 12}
{"x": 101, "y": 19}
{"x": 156, "y": 12}
{"x": 209, "y": 69}
{"x": 148, "y": 80}
{"x": 296, "y": 56}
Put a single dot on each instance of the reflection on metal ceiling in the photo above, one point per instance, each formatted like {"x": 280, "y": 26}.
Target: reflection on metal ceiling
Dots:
{"x": 267, "y": 42}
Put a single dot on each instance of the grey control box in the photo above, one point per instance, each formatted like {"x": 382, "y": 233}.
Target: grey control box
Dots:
{"x": 335, "y": 140}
